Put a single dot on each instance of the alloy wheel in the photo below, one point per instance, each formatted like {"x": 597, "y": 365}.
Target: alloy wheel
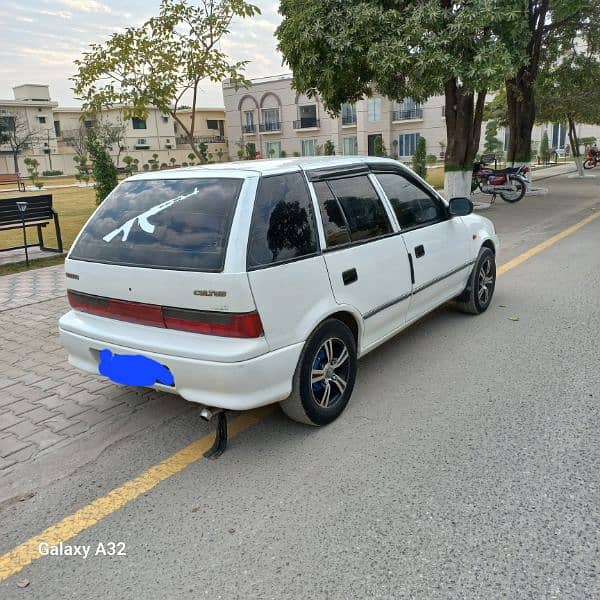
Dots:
{"x": 485, "y": 282}
{"x": 330, "y": 372}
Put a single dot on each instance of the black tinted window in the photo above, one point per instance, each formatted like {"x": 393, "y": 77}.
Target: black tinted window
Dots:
{"x": 168, "y": 223}
{"x": 283, "y": 224}
{"x": 362, "y": 207}
{"x": 413, "y": 205}
{"x": 334, "y": 223}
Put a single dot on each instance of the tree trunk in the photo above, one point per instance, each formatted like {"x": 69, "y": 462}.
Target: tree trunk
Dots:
{"x": 574, "y": 141}
{"x": 464, "y": 116}
{"x": 521, "y": 117}
{"x": 16, "y": 161}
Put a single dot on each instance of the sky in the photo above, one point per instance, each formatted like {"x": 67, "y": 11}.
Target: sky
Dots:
{"x": 41, "y": 38}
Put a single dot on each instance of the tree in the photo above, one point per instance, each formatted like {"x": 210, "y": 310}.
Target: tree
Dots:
{"x": 163, "y": 60}
{"x": 329, "y": 148}
{"x": 568, "y": 91}
{"x": 492, "y": 144}
{"x": 406, "y": 49}
{"x": 17, "y": 134}
{"x": 105, "y": 172}
{"x": 552, "y": 27}
{"x": 419, "y": 161}
{"x": 32, "y": 168}
{"x": 545, "y": 149}
{"x": 379, "y": 147}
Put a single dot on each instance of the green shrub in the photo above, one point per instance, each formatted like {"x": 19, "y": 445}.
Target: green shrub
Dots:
{"x": 431, "y": 159}
{"x": 419, "y": 161}
{"x": 52, "y": 173}
{"x": 329, "y": 148}
{"x": 32, "y": 165}
{"x": 545, "y": 149}
{"x": 105, "y": 171}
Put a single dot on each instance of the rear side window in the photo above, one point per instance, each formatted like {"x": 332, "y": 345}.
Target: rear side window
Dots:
{"x": 180, "y": 224}
{"x": 363, "y": 212}
{"x": 414, "y": 207}
{"x": 283, "y": 223}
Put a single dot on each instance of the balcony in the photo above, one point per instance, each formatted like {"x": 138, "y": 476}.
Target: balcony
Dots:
{"x": 202, "y": 139}
{"x": 273, "y": 127}
{"x": 307, "y": 123}
{"x": 411, "y": 114}
{"x": 249, "y": 129}
{"x": 348, "y": 120}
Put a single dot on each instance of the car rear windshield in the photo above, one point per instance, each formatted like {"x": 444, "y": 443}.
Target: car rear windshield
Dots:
{"x": 180, "y": 224}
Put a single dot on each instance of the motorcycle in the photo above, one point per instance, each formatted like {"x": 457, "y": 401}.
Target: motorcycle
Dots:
{"x": 509, "y": 183}
{"x": 592, "y": 158}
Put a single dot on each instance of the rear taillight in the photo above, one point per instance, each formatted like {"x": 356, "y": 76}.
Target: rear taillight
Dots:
{"x": 240, "y": 325}
{"x": 243, "y": 325}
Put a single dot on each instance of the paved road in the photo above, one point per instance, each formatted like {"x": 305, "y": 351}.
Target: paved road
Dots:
{"x": 464, "y": 467}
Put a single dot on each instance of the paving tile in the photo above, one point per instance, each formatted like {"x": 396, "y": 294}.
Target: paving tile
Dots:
{"x": 8, "y": 419}
{"x": 38, "y": 414}
{"x": 10, "y": 444}
{"x": 23, "y": 429}
{"x": 44, "y": 438}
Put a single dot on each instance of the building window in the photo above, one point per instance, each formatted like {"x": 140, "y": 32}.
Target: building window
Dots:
{"x": 348, "y": 114}
{"x": 138, "y": 123}
{"x": 558, "y": 136}
{"x": 307, "y": 117}
{"x": 350, "y": 146}
{"x": 249, "y": 118}
{"x": 271, "y": 119}
{"x": 88, "y": 123}
{"x": 42, "y": 119}
{"x": 57, "y": 128}
{"x": 406, "y": 110}
{"x": 309, "y": 147}
{"x": 273, "y": 149}
{"x": 407, "y": 143}
{"x": 165, "y": 119}
{"x": 374, "y": 109}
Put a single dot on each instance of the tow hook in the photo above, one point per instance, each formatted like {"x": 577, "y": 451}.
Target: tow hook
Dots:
{"x": 220, "y": 442}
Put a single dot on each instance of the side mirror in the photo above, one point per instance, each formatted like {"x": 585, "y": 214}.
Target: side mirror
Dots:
{"x": 460, "y": 207}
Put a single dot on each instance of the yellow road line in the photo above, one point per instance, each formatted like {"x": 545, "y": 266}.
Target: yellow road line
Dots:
{"x": 515, "y": 262}
{"x": 12, "y": 562}
{"x": 17, "y": 559}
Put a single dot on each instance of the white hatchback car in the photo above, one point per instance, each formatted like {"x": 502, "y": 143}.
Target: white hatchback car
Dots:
{"x": 239, "y": 285}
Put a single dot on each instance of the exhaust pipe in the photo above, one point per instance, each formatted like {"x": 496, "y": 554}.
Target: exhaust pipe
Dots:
{"x": 206, "y": 414}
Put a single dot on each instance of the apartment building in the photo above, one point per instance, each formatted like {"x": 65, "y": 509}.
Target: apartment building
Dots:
{"x": 57, "y": 132}
{"x": 279, "y": 122}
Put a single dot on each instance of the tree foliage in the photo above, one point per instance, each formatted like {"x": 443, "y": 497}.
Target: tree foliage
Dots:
{"x": 356, "y": 48}
{"x": 159, "y": 62}
{"x": 492, "y": 144}
{"x": 419, "y": 161}
{"x": 105, "y": 172}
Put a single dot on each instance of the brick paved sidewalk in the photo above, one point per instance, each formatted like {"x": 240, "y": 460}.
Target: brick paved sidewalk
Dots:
{"x": 45, "y": 404}
{"x": 29, "y": 287}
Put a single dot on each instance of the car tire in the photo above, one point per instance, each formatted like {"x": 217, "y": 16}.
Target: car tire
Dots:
{"x": 477, "y": 296}
{"x": 321, "y": 390}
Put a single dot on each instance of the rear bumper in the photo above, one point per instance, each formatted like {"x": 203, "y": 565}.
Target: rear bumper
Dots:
{"x": 230, "y": 385}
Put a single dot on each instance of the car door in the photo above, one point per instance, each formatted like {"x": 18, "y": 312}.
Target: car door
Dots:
{"x": 367, "y": 261}
{"x": 438, "y": 245}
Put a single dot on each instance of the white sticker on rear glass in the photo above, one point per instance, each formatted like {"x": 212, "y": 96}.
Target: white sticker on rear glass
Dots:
{"x": 142, "y": 219}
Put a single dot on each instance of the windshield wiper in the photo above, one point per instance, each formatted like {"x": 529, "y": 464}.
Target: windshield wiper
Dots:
{"x": 142, "y": 219}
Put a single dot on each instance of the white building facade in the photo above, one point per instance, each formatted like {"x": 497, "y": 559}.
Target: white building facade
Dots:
{"x": 279, "y": 122}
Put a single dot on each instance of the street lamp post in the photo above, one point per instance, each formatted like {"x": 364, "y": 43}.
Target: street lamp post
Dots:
{"x": 22, "y": 206}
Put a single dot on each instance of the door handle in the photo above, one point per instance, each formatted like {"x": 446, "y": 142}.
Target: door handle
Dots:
{"x": 349, "y": 276}
{"x": 419, "y": 251}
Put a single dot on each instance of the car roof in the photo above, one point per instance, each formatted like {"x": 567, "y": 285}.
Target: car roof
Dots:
{"x": 254, "y": 168}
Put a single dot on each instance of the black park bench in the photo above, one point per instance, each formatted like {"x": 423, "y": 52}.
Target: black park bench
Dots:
{"x": 38, "y": 214}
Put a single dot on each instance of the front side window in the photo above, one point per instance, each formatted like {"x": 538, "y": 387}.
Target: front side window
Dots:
{"x": 351, "y": 210}
{"x": 138, "y": 123}
{"x": 180, "y": 224}
{"x": 414, "y": 206}
{"x": 283, "y": 225}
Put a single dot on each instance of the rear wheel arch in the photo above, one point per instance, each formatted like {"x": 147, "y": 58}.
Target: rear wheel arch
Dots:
{"x": 349, "y": 320}
{"x": 489, "y": 244}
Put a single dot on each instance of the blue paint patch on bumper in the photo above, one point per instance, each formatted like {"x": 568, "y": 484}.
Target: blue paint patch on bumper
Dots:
{"x": 133, "y": 369}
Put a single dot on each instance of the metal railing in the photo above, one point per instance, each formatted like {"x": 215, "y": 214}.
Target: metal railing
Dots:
{"x": 407, "y": 115}
{"x": 203, "y": 139}
{"x": 249, "y": 128}
{"x": 270, "y": 127}
{"x": 306, "y": 123}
